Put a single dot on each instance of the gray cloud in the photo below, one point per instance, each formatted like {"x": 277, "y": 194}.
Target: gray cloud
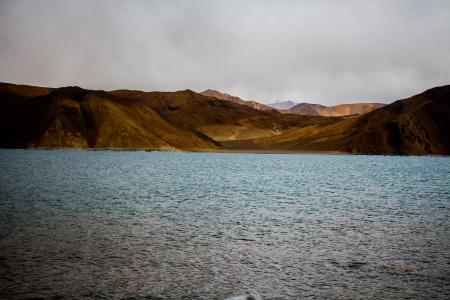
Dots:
{"x": 319, "y": 51}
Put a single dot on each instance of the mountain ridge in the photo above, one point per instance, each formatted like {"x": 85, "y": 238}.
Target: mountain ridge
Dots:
{"x": 417, "y": 125}
{"x": 339, "y": 110}
{"x": 235, "y": 99}
{"x": 283, "y": 105}
{"x": 291, "y": 107}
{"x": 73, "y": 117}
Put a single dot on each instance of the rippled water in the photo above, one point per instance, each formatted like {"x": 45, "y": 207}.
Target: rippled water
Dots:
{"x": 81, "y": 224}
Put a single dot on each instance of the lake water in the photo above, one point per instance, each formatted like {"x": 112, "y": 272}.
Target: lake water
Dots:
{"x": 155, "y": 225}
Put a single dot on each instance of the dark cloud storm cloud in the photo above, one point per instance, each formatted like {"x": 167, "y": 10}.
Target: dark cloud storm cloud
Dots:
{"x": 318, "y": 51}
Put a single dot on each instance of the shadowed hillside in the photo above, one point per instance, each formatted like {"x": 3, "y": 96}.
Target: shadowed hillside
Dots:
{"x": 417, "y": 125}
{"x": 76, "y": 118}
{"x": 73, "y": 117}
{"x": 221, "y": 120}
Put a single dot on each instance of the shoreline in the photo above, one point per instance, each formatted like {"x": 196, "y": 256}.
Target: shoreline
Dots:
{"x": 227, "y": 151}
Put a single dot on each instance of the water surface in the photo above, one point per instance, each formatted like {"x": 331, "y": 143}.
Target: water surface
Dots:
{"x": 151, "y": 225}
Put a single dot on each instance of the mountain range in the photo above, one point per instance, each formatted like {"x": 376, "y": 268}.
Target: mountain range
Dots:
{"x": 224, "y": 96}
{"x": 292, "y": 107}
{"x": 72, "y": 117}
{"x": 333, "y": 111}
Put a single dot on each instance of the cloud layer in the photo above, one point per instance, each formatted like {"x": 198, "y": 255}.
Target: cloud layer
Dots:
{"x": 327, "y": 52}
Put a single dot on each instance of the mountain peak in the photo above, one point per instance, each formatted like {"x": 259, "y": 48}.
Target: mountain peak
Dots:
{"x": 283, "y": 104}
{"x": 72, "y": 117}
{"x": 224, "y": 96}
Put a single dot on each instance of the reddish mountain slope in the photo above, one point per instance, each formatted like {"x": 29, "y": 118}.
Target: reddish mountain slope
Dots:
{"x": 333, "y": 111}
{"x": 224, "y": 96}
{"x": 78, "y": 118}
{"x": 73, "y": 117}
{"x": 418, "y": 125}
{"x": 218, "y": 119}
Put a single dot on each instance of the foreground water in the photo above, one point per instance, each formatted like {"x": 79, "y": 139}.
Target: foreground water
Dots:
{"x": 134, "y": 225}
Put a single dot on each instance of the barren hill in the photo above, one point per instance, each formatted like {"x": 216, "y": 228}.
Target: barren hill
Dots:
{"x": 418, "y": 125}
{"x": 72, "y": 117}
{"x": 249, "y": 103}
{"x": 333, "y": 111}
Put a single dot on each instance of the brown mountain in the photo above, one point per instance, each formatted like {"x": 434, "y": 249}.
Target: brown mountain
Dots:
{"x": 249, "y": 103}
{"x": 73, "y": 117}
{"x": 333, "y": 111}
{"x": 418, "y": 125}
{"x": 220, "y": 120}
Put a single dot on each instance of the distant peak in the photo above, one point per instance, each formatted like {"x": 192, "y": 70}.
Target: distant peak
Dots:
{"x": 227, "y": 97}
{"x": 210, "y": 90}
{"x": 215, "y": 93}
{"x": 283, "y": 104}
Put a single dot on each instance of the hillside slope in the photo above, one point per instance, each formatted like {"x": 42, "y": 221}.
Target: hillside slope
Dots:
{"x": 249, "y": 103}
{"x": 220, "y": 119}
{"x": 418, "y": 125}
{"x": 333, "y": 111}
{"x": 76, "y": 118}
{"x": 73, "y": 117}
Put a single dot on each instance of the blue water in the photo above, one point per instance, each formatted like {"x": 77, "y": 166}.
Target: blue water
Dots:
{"x": 151, "y": 225}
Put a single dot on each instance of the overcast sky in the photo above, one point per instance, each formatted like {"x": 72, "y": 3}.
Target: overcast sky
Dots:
{"x": 324, "y": 52}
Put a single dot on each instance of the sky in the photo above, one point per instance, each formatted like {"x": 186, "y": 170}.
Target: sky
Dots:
{"x": 326, "y": 52}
